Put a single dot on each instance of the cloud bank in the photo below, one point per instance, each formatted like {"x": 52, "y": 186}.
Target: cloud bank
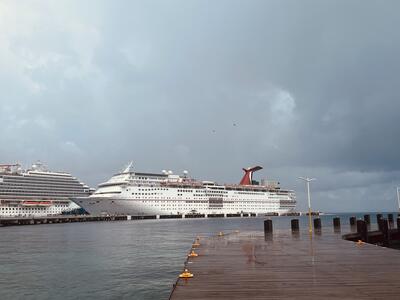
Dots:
{"x": 304, "y": 88}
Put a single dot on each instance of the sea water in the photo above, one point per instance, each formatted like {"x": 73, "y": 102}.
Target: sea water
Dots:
{"x": 112, "y": 260}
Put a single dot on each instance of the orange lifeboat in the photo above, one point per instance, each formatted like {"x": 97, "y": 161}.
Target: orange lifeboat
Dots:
{"x": 37, "y": 203}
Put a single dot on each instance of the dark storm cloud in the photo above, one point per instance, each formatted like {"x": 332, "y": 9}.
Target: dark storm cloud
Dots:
{"x": 300, "y": 87}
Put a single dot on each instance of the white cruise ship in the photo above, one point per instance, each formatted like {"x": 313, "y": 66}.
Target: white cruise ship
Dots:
{"x": 37, "y": 191}
{"x": 140, "y": 194}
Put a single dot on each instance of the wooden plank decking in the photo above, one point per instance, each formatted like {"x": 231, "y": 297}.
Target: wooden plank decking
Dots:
{"x": 246, "y": 266}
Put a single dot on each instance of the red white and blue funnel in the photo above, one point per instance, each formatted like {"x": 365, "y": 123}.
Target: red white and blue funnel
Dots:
{"x": 248, "y": 176}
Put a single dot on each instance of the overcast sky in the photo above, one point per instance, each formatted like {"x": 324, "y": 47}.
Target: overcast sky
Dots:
{"x": 302, "y": 88}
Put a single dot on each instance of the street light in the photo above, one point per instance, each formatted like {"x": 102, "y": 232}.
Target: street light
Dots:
{"x": 308, "y": 180}
{"x": 398, "y": 196}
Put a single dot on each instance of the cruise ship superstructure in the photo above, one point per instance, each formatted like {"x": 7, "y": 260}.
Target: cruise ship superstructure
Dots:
{"x": 37, "y": 191}
{"x": 136, "y": 193}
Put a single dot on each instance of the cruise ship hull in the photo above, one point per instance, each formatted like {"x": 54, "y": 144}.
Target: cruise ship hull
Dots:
{"x": 134, "y": 207}
{"x": 37, "y": 192}
{"x": 141, "y": 194}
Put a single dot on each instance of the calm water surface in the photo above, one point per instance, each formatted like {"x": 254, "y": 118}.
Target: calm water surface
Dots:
{"x": 109, "y": 260}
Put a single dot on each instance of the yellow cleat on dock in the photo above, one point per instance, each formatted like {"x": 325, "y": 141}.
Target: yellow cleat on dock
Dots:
{"x": 193, "y": 254}
{"x": 196, "y": 243}
{"x": 360, "y": 242}
{"x": 186, "y": 274}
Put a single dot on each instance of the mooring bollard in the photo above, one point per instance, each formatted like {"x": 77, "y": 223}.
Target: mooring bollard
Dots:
{"x": 294, "y": 223}
{"x": 390, "y": 219}
{"x": 380, "y": 225}
{"x": 352, "y": 221}
{"x": 378, "y": 217}
{"x": 317, "y": 224}
{"x": 367, "y": 219}
{"x": 336, "y": 224}
{"x": 362, "y": 230}
{"x": 385, "y": 231}
{"x": 268, "y": 226}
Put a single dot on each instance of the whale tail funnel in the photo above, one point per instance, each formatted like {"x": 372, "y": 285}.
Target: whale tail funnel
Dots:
{"x": 248, "y": 175}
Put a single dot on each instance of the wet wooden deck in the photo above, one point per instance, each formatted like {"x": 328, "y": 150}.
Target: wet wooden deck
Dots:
{"x": 246, "y": 266}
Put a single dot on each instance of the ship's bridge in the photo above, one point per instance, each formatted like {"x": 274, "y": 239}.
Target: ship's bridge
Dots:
{"x": 208, "y": 183}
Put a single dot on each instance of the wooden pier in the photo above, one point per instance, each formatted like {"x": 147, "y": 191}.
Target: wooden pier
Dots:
{"x": 286, "y": 265}
{"x": 14, "y": 221}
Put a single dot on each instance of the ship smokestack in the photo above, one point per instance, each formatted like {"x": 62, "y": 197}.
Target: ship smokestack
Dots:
{"x": 248, "y": 175}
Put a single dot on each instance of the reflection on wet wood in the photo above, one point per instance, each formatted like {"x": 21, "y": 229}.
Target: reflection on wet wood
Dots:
{"x": 249, "y": 266}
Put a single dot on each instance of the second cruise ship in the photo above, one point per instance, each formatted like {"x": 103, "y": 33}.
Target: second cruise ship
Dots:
{"x": 136, "y": 193}
{"x": 37, "y": 191}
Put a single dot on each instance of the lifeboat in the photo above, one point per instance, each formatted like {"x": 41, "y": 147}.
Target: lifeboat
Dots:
{"x": 37, "y": 203}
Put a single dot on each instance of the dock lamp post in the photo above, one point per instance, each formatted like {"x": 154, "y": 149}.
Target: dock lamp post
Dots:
{"x": 398, "y": 197}
{"x": 308, "y": 180}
